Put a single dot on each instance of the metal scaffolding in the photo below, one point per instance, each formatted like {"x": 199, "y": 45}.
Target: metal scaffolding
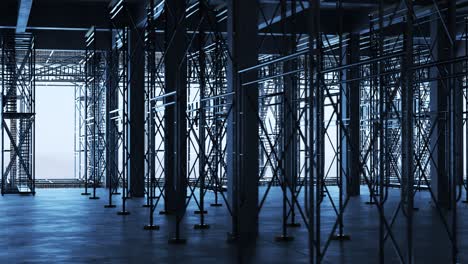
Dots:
{"x": 95, "y": 116}
{"x": 118, "y": 109}
{"x": 243, "y": 101}
{"x": 18, "y": 114}
{"x": 254, "y": 101}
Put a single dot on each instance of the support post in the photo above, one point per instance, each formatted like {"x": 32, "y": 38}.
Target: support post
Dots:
{"x": 456, "y": 130}
{"x": 313, "y": 131}
{"x": 112, "y": 149}
{"x": 350, "y": 107}
{"x": 438, "y": 105}
{"x": 202, "y": 120}
{"x": 175, "y": 161}
{"x": 290, "y": 115}
{"x": 136, "y": 133}
{"x": 242, "y": 126}
{"x": 407, "y": 135}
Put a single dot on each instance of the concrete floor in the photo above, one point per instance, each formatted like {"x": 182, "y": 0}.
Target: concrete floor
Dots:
{"x": 61, "y": 226}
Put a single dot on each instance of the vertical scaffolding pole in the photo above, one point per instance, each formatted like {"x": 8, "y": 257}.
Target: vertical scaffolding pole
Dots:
{"x": 150, "y": 125}
{"x": 465, "y": 69}
{"x": 202, "y": 117}
{"x": 112, "y": 131}
{"x": 341, "y": 170}
{"x": 318, "y": 125}
{"x": 287, "y": 119}
{"x": 407, "y": 132}
{"x": 313, "y": 75}
{"x": 293, "y": 161}
{"x": 456, "y": 130}
{"x": 125, "y": 129}
{"x": 1, "y": 117}
{"x": 85, "y": 119}
{"x": 382, "y": 135}
{"x": 93, "y": 63}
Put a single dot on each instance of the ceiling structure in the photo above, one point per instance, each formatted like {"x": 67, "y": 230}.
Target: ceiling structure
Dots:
{"x": 62, "y": 24}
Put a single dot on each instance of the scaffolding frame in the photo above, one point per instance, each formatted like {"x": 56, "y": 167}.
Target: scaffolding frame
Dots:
{"x": 95, "y": 116}
{"x": 364, "y": 97}
{"x": 18, "y": 113}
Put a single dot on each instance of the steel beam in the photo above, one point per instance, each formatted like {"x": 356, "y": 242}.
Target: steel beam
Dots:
{"x": 23, "y": 15}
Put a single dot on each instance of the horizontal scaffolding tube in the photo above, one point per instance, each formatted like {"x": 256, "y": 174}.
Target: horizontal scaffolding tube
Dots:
{"x": 163, "y": 96}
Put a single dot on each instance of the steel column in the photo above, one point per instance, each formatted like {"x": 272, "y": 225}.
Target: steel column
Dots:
{"x": 350, "y": 104}
{"x": 407, "y": 134}
{"x": 136, "y": 106}
{"x": 242, "y": 142}
{"x": 440, "y": 43}
{"x": 175, "y": 63}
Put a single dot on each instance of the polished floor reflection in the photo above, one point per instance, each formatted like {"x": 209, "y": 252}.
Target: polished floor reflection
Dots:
{"x": 61, "y": 226}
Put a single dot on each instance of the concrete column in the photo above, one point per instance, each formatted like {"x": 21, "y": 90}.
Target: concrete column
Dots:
{"x": 457, "y": 101}
{"x": 136, "y": 106}
{"x": 350, "y": 112}
{"x": 175, "y": 143}
{"x": 440, "y": 141}
{"x": 242, "y": 140}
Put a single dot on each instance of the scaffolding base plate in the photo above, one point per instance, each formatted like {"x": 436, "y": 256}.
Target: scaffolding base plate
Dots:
{"x": 216, "y": 205}
{"x": 94, "y": 198}
{"x": 85, "y": 193}
{"x": 200, "y": 212}
{"x": 109, "y": 206}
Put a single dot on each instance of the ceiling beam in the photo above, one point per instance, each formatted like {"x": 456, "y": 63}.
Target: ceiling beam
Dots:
{"x": 24, "y": 10}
